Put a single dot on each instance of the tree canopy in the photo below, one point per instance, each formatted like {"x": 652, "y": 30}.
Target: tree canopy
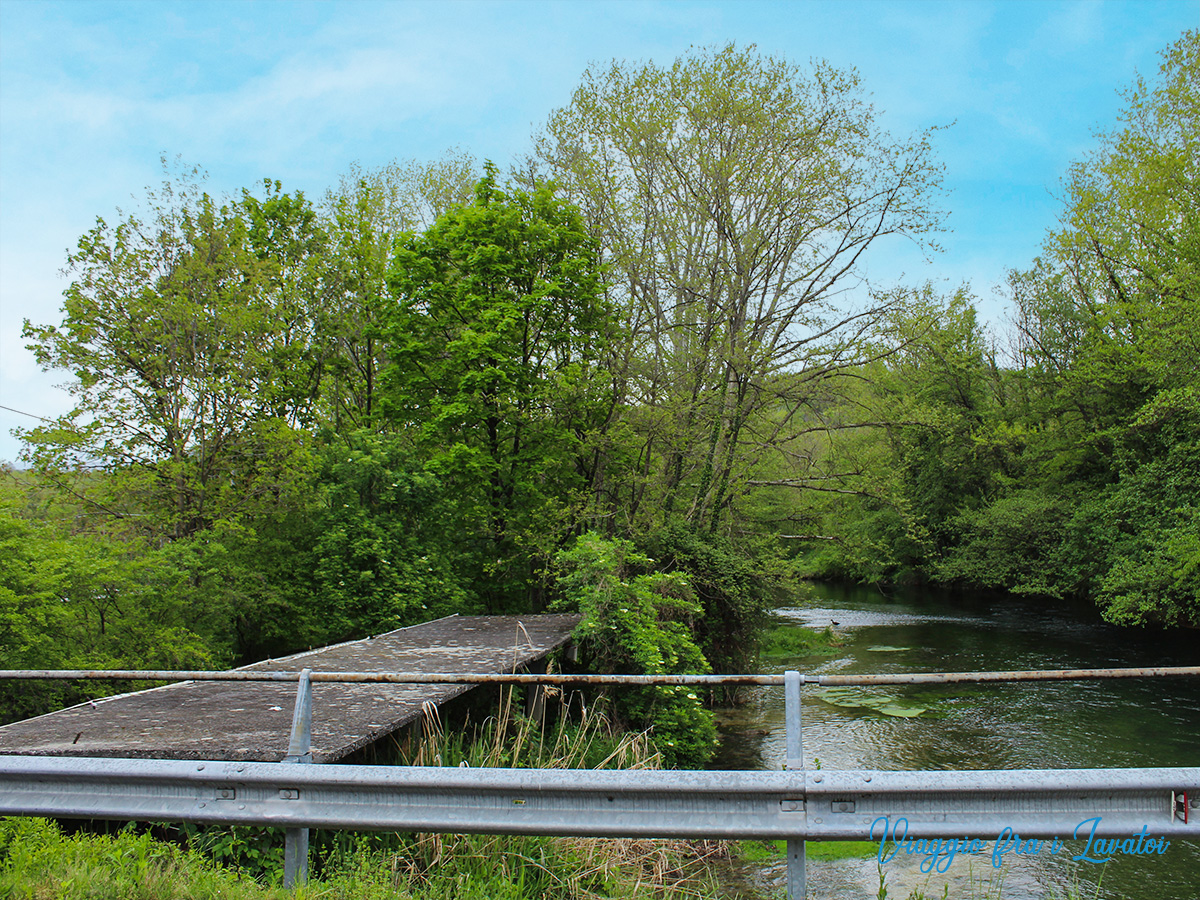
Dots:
{"x": 187, "y": 336}
{"x": 736, "y": 197}
{"x": 496, "y": 338}
{"x": 1073, "y": 471}
{"x": 649, "y": 367}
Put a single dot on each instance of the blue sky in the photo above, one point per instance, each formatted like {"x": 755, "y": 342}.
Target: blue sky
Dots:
{"x": 93, "y": 93}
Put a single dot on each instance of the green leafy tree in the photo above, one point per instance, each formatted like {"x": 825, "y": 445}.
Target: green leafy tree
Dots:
{"x": 495, "y": 342}
{"x": 385, "y": 543}
{"x": 1107, "y": 321}
{"x": 736, "y": 198}
{"x": 910, "y": 440}
{"x": 733, "y": 589}
{"x": 364, "y": 216}
{"x": 1106, "y": 316}
{"x": 1075, "y": 473}
{"x": 191, "y": 363}
{"x": 1150, "y": 519}
{"x": 640, "y": 623}
{"x": 77, "y": 601}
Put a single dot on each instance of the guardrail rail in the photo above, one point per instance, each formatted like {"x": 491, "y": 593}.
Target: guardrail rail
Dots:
{"x": 795, "y": 804}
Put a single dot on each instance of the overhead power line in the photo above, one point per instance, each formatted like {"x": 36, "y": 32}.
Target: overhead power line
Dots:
{"x": 22, "y": 412}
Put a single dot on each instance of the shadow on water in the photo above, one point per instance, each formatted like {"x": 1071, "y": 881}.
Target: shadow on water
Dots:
{"x": 1097, "y": 724}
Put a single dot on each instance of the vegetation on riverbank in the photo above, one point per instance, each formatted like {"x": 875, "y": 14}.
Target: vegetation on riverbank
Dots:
{"x": 788, "y": 641}
{"x": 438, "y": 390}
{"x": 1068, "y": 463}
{"x": 761, "y": 851}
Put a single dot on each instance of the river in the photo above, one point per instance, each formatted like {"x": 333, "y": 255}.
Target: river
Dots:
{"x": 1096, "y": 724}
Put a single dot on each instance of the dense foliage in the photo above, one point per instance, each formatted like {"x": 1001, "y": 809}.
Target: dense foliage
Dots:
{"x": 297, "y": 423}
{"x": 641, "y": 624}
{"x": 1071, "y": 467}
{"x": 496, "y": 331}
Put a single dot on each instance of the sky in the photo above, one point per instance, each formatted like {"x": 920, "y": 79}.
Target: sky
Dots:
{"x": 93, "y": 94}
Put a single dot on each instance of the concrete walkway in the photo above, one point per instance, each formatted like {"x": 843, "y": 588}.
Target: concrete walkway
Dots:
{"x": 252, "y": 720}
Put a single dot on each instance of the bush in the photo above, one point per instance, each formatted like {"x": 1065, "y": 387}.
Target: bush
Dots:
{"x": 640, "y": 624}
{"x": 734, "y": 594}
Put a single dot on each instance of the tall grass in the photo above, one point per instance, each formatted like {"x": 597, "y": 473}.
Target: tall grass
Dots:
{"x": 578, "y": 736}
{"x": 39, "y": 862}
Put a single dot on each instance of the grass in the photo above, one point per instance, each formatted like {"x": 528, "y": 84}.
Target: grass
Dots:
{"x": 794, "y": 641}
{"x": 39, "y": 861}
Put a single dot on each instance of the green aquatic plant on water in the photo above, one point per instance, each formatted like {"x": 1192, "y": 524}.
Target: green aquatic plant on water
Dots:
{"x": 768, "y": 851}
{"x": 884, "y": 704}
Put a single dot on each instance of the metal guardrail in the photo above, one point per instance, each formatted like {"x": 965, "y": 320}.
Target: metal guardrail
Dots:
{"x": 795, "y": 804}
{"x": 812, "y": 805}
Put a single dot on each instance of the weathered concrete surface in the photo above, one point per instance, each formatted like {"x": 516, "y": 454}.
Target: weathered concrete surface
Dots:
{"x": 252, "y": 720}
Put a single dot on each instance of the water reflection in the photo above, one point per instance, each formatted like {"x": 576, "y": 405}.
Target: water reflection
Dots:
{"x": 1099, "y": 724}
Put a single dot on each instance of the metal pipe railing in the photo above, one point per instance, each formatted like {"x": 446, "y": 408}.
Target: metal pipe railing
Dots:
{"x": 567, "y": 678}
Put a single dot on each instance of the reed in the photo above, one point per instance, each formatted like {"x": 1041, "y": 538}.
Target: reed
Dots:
{"x": 572, "y": 734}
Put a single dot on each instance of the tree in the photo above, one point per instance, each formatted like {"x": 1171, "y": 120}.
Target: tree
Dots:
{"x": 284, "y": 234}
{"x": 735, "y": 197}
{"x": 387, "y": 547}
{"x": 365, "y": 216}
{"x": 189, "y": 335}
{"x": 1077, "y": 473}
{"x": 640, "y": 623}
{"x": 494, "y": 344}
{"x": 920, "y": 439}
{"x": 1107, "y": 315}
{"x": 1110, "y": 362}
{"x": 73, "y": 601}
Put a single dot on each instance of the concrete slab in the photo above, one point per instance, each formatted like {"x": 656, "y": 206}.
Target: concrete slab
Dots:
{"x": 252, "y": 720}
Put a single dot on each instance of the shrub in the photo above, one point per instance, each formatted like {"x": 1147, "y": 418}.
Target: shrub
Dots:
{"x": 640, "y": 624}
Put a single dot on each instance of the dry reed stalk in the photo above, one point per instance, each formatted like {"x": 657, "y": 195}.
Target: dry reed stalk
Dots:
{"x": 675, "y": 866}
{"x": 664, "y": 867}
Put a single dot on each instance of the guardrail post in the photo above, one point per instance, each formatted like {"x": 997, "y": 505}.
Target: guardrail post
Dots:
{"x": 796, "y": 877}
{"x": 295, "y": 851}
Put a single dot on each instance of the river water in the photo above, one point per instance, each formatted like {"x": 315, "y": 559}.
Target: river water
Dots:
{"x": 1097, "y": 724}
